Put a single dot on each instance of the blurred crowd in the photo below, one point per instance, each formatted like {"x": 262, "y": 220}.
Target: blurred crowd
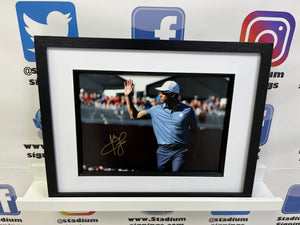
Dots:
{"x": 202, "y": 107}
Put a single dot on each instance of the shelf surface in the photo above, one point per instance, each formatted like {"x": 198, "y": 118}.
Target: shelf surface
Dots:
{"x": 36, "y": 199}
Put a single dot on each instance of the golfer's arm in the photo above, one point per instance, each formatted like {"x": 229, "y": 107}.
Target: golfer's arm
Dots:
{"x": 133, "y": 113}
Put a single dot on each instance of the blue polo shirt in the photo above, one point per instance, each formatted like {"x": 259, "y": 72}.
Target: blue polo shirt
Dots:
{"x": 171, "y": 126}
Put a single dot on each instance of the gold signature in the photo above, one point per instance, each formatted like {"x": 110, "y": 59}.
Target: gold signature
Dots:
{"x": 115, "y": 146}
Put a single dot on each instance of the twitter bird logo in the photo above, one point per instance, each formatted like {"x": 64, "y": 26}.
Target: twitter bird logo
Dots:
{"x": 44, "y": 18}
{"x": 57, "y": 25}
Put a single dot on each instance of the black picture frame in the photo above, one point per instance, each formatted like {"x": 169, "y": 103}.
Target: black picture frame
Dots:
{"x": 58, "y": 57}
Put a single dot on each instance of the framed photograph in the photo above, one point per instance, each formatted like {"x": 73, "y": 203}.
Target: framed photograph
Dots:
{"x": 124, "y": 117}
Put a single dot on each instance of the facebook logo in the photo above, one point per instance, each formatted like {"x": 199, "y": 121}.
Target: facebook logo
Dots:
{"x": 8, "y": 200}
{"x": 291, "y": 204}
{"x": 268, "y": 116}
{"x": 161, "y": 23}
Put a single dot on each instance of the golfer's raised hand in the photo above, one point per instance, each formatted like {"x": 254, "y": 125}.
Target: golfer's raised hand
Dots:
{"x": 128, "y": 88}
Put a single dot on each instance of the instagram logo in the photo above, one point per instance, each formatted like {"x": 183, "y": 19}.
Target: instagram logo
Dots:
{"x": 77, "y": 213}
{"x": 275, "y": 27}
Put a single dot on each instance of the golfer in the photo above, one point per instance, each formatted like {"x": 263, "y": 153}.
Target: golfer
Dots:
{"x": 171, "y": 121}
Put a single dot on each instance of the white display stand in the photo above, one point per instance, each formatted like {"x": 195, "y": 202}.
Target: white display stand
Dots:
{"x": 36, "y": 199}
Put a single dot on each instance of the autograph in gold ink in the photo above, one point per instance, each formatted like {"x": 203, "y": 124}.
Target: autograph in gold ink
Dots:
{"x": 115, "y": 146}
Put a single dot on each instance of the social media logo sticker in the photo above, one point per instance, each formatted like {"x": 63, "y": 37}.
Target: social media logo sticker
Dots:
{"x": 37, "y": 120}
{"x": 8, "y": 200}
{"x": 226, "y": 213}
{"x": 267, "y": 26}
{"x": 266, "y": 126}
{"x": 44, "y": 18}
{"x": 291, "y": 204}
{"x": 77, "y": 213}
{"x": 161, "y": 23}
